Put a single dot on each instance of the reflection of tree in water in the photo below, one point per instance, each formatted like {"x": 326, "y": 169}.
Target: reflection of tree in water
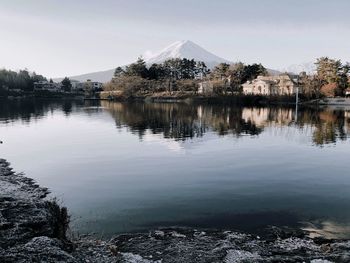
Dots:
{"x": 67, "y": 107}
{"x": 228, "y": 120}
{"x": 28, "y": 109}
{"x": 24, "y": 109}
{"x": 183, "y": 121}
{"x": 330, "y": 127}
{"x": 180, "y": 121}
{"x": 176, "y": 121}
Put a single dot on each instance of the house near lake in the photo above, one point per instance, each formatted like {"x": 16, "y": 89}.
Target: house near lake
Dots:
{"x": 93, "y": 85}
{"x": 87, "y": 86}
{"x": 283, "y": 84}
{"x": 47, "y": 86}
{"x": 77, "y": 86}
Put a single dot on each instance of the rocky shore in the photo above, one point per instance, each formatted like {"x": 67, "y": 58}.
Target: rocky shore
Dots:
{"x": 33, "y": 228}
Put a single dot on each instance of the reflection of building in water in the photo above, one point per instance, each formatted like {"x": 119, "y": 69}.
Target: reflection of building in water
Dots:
{"x": 347, "y": 121}
{"x": 266, "y": 116}
{"x": 258, "y": 116}
{"x": 180, "y": 121}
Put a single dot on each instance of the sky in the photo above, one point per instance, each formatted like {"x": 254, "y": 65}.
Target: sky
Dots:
{"x": 59, "y": 38}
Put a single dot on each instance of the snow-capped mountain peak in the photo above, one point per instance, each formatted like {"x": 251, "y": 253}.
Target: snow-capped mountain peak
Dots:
{"x": 185, "y": 49}
{"x": 179, "y": 49}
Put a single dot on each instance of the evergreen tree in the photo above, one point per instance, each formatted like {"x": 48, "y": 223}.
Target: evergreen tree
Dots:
{"x": 172, "y": 68}
{"x": 137, "y": 69}
{"x": 328, "y": 69}
{"x": 202, "y": 70}
{"x": 156, "y": 72}
{"x": 253, "y": 71}
{"x": 332, "y": 71}
{"x": 237, "y": 73}
{"x": 220, "y": 71}
{"x": 118, "y": 72}
{"x": 36, "y": 78}
{"x": 66, "y": 84}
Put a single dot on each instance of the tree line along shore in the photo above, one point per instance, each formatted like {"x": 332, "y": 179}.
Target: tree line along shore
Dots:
{"x": 187, "y": 78}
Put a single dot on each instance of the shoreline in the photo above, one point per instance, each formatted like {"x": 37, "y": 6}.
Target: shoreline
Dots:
{"x": 237, "y": 99}
{"x": 34, "y": 228}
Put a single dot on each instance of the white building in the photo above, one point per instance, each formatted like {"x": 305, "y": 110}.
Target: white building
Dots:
{"x": 93, "y": 85}
{"x": 271, "y": 85}
{"x": 47, "y": 86}
{"x": 77, "y": 85}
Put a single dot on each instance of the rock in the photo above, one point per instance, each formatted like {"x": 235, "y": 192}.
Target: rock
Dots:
{"x": 176, "y": 234}
{"x": 38, "y": 249}
{"x": 32, "y": 227}
{"x": 218, "y": 246}
{"x": 113, "y": 249}
{"x": 24, "y": 211}
{"x": 237, "y": 256}
{"x": 159, "y": 233}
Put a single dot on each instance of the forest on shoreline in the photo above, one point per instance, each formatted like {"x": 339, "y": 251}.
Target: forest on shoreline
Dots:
{"x": 181, "y": 78}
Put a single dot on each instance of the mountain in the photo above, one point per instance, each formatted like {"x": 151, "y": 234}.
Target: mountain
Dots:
{"x": 186, "y": 49}
{"x": 100, "y": 76}
{"x": 179, "y": 49}
{"x": 308, "y": 67}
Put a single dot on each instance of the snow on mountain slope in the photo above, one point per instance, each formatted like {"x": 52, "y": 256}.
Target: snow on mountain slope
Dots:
{"x": 179, "y": 49}
{"x": 308, "y": 67}
{"x": 186, "y": 49}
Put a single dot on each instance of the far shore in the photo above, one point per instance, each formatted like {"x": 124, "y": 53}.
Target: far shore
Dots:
{"x": 238, "y": 99}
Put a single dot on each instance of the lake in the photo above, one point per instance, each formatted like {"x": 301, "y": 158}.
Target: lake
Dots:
{"x": 126, "y": 167}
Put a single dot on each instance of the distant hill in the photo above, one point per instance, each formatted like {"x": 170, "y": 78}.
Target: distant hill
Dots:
{"x": 100, "y": 76}
{"x": 179, "y": 49}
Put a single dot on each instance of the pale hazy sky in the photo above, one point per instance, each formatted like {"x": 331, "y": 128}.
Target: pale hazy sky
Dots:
{"x": 66, "y": 37}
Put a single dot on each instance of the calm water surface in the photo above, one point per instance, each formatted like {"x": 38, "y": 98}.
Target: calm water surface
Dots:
{"x": 132, "y": 167}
